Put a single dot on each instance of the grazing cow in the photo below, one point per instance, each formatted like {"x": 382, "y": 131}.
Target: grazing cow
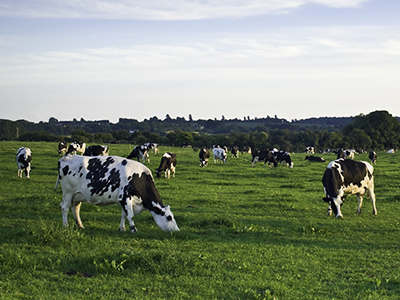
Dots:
{"x": 246, "y": 150}
{"x": 283, "y": 156}
{"x": 62, "y": 147}
{"x": 104, "y": 180}
{"x": 372, "y": 156}
{"x": 96, "y": 150}
{"x": 140, "y": 152}
{"x": 263, "y": 155}
{"x": 167, "y": 164}
{"x": 152, "y": 146}
{"x": 219, "y": 154}
{"x": 76, "y": 147}
{"x": 310, "y": 150}
{"x": 346, "y": 176}
{"x": 314, "y": 158}
{"x": 24, "y": 160}
{"x": 204, "y": 155}
{"x": 235, "y": 151}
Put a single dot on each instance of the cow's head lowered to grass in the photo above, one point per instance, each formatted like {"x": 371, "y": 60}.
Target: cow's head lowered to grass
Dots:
{"x": 105, "y": 180}
{"x": 345, "y": 176}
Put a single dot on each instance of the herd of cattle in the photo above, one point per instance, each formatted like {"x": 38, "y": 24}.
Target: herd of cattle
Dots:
{"x": 99, "y": 179}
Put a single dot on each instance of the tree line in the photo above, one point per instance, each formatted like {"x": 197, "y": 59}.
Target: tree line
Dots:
{"x": 378, "y": 130}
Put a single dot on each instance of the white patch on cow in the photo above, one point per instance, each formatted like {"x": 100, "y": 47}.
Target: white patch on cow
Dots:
{"x": 166, "y": 155}
{"x": 167, "y": 221}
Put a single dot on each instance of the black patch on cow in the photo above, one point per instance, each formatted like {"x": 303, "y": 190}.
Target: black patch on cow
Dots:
{"x": 143, "y": 187}
{"x": 65, "y": 170}
{"x": 99, "y": 182}
{"x": 80, "y": 168}
{"x": 124, "y": 162}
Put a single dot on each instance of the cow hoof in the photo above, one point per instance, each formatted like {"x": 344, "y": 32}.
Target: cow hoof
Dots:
{"x": 133, "y": 229}
{"x": 339, "y": 216}
{"x": 121, "y": 229}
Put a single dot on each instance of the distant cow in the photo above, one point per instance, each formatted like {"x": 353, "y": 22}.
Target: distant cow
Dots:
{"x": 345, "y": 154}
{"x": 219, "y": 154}
{"x": 283, "y": 156}
{"x": 167, "y": 164}
{"x": 104, "y": 180}
{"x": 372, "y": 156}
{"x": 314, "y": 158}
{"x": 235, "y": 151}
{"x": 96, "y": 150}
{"x": 346, "y": 176}
{"x": 62, "y": 147}
{"x": 24, "y": 160}
{"x": 140, "y": 152}
{"x": 310, "y": 150}
{"x": 152, "y": 146}
{"x": 76, "y": 147}
{"x": 263, "y": 155}
{"x": 204, "y": 155}
{"x": 246, "y": 150}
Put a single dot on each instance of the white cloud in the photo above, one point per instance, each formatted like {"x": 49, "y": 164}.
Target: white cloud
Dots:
{"x": 157, "y": 10}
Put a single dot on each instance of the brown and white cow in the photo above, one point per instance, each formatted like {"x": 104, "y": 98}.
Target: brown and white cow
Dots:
{"x": 104, "y": 180}
{"x": 167, "y": 165}
{"x": 24, "y": 160}
{"x": 346, "y": 176}
{"x": 204, "y": 155}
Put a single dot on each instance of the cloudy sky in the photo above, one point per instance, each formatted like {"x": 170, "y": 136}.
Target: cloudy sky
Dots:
{"x": 111, "y": 59}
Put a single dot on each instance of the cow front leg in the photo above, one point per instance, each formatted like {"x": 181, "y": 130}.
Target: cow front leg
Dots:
{"x": 75, "y": 208}
{"x": 360, "y": 200}
{"x": 128, "y": 211}
{"x": 122, "y": 224}
{"x": 373, "y": 200}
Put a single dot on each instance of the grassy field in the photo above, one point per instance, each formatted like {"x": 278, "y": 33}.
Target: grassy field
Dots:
{"x": 246, "y": 233}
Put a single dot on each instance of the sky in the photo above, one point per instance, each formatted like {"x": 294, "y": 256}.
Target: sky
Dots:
{"x": 111, "y": 59}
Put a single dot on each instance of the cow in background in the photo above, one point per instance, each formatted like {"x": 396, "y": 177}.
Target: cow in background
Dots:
{"x": 24, "y": 160}
{"x": 283, "y": 156}
{"x": 314, "y": 158}
{"x": 152, "y": 146}
{"x": 167, "y": 164}
{"x": 235, "y": 151}
{"x": 263, "y": 155}
{"x": 372, "y": 156}
{"x": 204, "y": 155}
{"x": 62, "y": 147}
{"x": 246, "y": 150}
{"x": 310, "y": 150}
{"x": 140, "y": 152}
{"x": 346, "y": 176}
{"x": 96, "y": 150}
{"x": 219, "y": 154}
{"x": 75, "y": 147}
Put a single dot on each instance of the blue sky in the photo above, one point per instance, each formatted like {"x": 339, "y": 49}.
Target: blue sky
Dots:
{"x": 114, "y": 59}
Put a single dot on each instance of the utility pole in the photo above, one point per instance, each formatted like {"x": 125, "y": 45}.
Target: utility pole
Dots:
{"x": 17, "y": 132}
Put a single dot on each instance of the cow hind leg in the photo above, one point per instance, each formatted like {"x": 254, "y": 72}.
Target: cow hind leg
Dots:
{"x": 75, "y": 208}
{"x": 371, "y": 194}
{"x": 122, "y": 224}
{"x": 360, "y": 200}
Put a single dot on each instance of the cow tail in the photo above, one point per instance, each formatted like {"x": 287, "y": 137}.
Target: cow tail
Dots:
{"x": 58, "y": 179}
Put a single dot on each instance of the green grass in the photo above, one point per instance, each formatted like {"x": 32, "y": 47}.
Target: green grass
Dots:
{"x": 246, "y": 233}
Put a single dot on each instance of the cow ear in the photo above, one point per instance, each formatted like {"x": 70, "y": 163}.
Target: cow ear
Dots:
{"x": 326, "y": 199}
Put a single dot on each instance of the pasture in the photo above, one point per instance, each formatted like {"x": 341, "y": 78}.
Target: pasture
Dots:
{"x": 246, "y": 233}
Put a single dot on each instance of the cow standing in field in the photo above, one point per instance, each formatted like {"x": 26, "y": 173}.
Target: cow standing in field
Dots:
{"x": 235, "y": 151}
{"x": 96, "y": 150}
{"x": 62, "y": 147}
{"x": 314, "y": 158}
{"x": 140, "y": 152}
{"x": 167, "y": 164}
{"x": 263, "y": 155}
{"x": 246, "y": 150}
{"x": 104, "y": 180}
{"x": 204, "y": 155}
{"x": 76, "y": 147}
{"x": 346, "y": 176}
{"x": 372, "y": 156}
{"x": 152, "y": 146}
{"x": 24, "y": 160}
{"x": 219, "y": 154}
{"x": 310, "y": 150}
{"x": 283, "y": 156}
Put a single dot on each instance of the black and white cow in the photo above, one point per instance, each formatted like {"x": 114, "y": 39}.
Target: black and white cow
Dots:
{"x": 235, "y": 151}
{"x": 204, "y": 155}
{"x": 167, "y": 164}
{"x": 314, "y": 158}
{"x": 76, "y": 147}
{"x": 104, "y": 180}
{"x": 96, "y": 150}
{"x": 140, "y": 152}
{"x": 62, "y": 147}
{"x": 372, "y": 156}
{"x": 263, "y": 155}
{"x": 24, "y": 160}
{"x": 310, "y": 150}
{"x": 346, "y": 176}
{"x": 246, "y": 150}
{"x": 283, "y": 156}
{"x": 152, "y": 146}
{"x": 219, "y": 154}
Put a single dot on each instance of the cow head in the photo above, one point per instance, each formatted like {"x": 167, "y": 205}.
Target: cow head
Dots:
{"x": 165, "y": 220}
{"x": 335, "y": 205}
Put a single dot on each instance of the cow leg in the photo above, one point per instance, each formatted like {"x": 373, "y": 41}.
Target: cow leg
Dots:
{"x": 373, "y": 200}
{"x": 128, "y": 211}
{"x": 360, "y": 200}
{"x": 173, "y": 171}
{"x": 65, "y": 206}
{"x": 122, "y": 224}
{"x": 75, "y": 208}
